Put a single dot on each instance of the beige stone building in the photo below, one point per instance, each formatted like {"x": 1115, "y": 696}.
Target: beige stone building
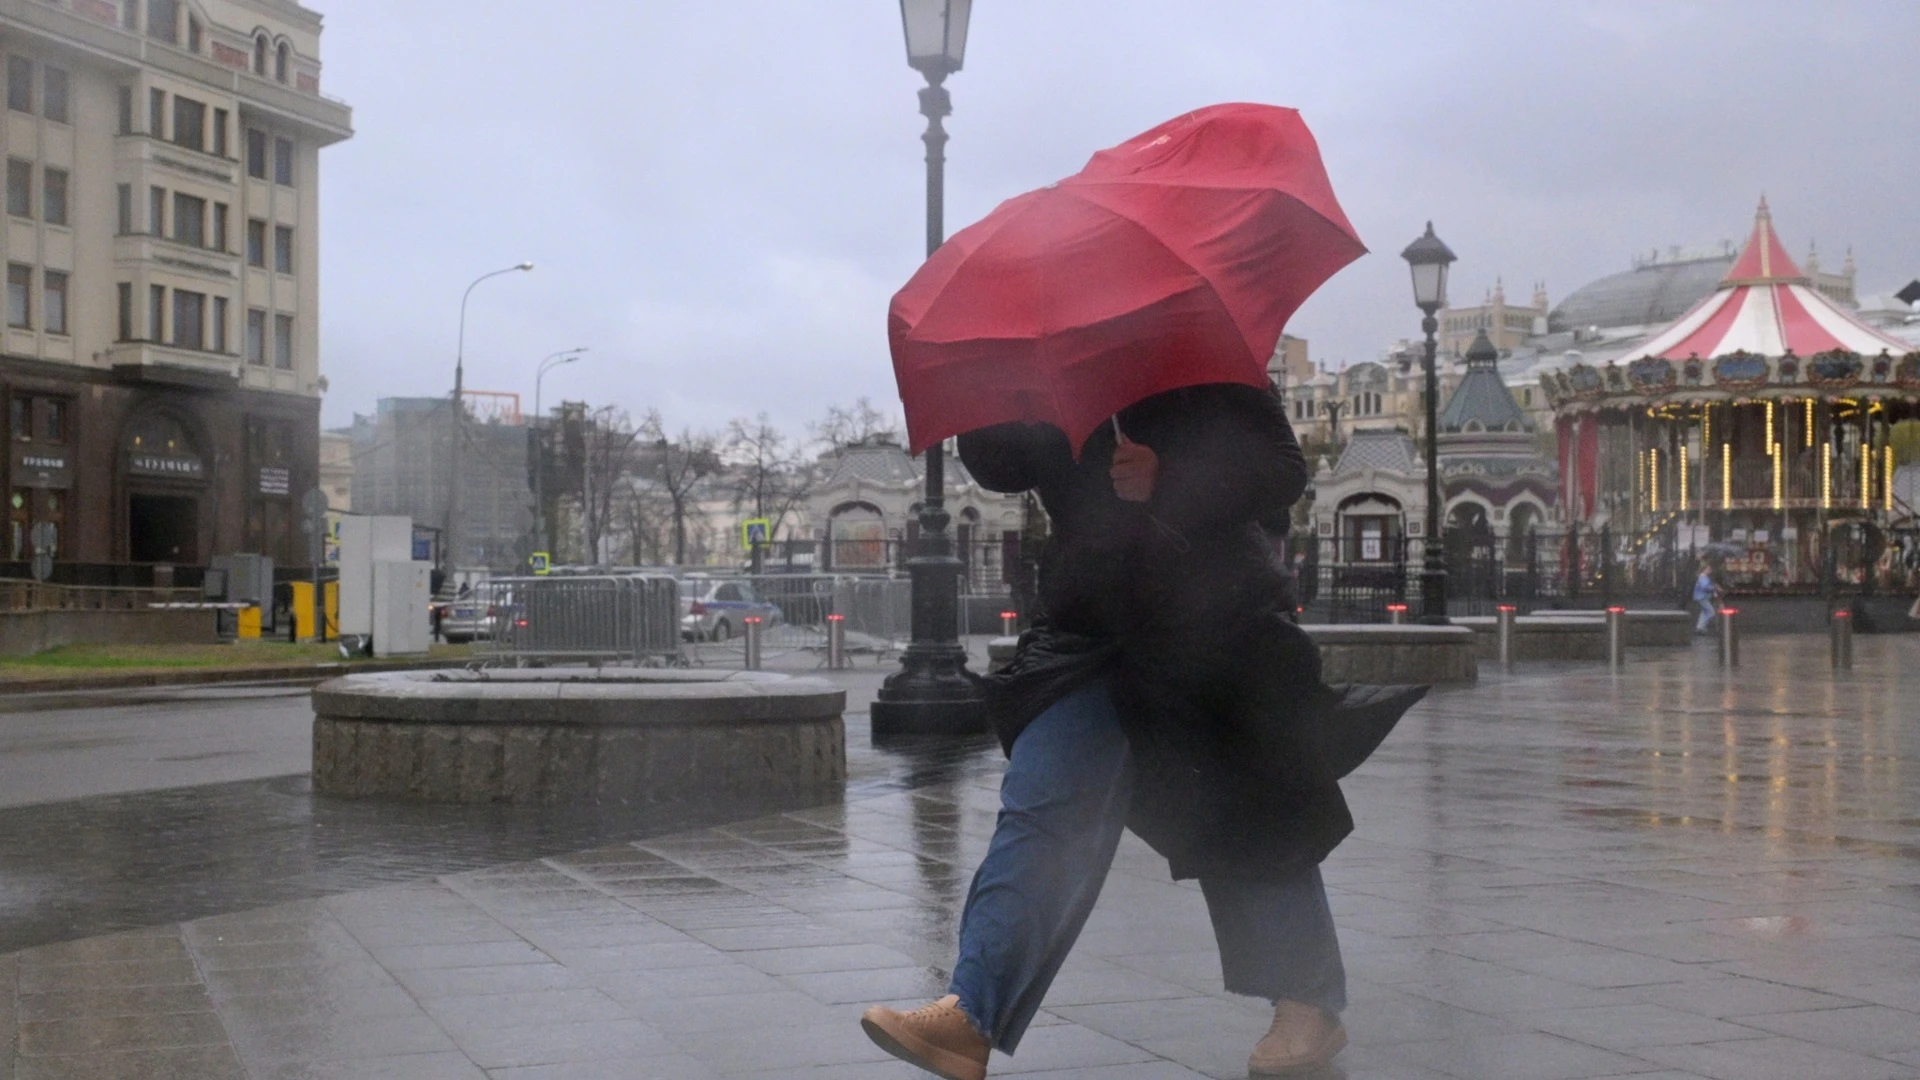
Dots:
{"x": 161, "y": 353}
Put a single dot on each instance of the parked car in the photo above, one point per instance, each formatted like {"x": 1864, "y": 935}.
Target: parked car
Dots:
{"x": 464, "y": 620}
{"x": 715, "y": 609}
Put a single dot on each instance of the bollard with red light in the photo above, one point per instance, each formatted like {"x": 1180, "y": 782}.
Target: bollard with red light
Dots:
{"x": 1007, "y": 619}
{"x": 1729, "y": 638}
{"x": 1840, "y": 627}
{"x": 1396, "y": 613}
{"x": 753, "y": 642}
{"x": 1504, "y": 622}
{"x": 1616, "y": 637}
{"x": 836, "y": 641}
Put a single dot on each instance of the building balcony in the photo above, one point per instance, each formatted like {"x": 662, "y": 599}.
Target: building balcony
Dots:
{"x": 173, "y": 365}
{"x": 140, "y": 149}
{"x": 223, "y": 266}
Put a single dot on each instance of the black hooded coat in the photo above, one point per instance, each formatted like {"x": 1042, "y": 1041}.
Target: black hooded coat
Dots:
{"x": 1178, "y": 602}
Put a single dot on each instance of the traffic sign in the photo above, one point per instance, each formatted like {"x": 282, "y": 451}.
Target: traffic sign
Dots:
{"x": 755, "y": 533}
{"x": 541, "y": 562}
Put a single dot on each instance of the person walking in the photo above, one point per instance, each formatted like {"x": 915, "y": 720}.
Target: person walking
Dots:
{"x": 1164, "y": 689}
{"x": 1706, "y": 596}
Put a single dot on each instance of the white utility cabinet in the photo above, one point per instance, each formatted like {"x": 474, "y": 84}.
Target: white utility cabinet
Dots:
{"x": 401, "y": 591}
{"x": 365, "y": 540}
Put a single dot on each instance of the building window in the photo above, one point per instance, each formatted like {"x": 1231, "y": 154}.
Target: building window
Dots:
{"x": 20, "y": 295}
{"x": 189, "y": 319}
{"x": 220, "y": 227}
{"x": 19, "y": 84}
{"x": 280, "y": 65}
{"x": 260, "y": 55}
{"x": 189, "y": 123}
{"x": 256, "y": 153}
{"x": 189, "y": 219}
{"x": 53, "y": 420}
{"x": 157, "y": 113}
{"x": 220, "y": 120}
{"x": 256, "y": 242}
{"x": 53, "y": 300}
{"x": 20, "y": 413}
{"x": 283, "y": 161}
{"x": 53, "y": 196}
{"x": 256, "y": 336}
{"x": 126, "y": 110}
{"x": 126, "y": 311}
{"x": 220, "y": 324}
{"x": 157, "y": 211}
{"x": 163, "y": 21}
{"x": 283, "y": 342}
{"x": 130, "y": 14}
{"x": 54, "y": 100}
{"x": 193, "y": 33}
{"x": 156, "y": 313}
{"x": 283, "y": 249}
{"x": 19, "y": 187}
{"x": 123, "y": 206}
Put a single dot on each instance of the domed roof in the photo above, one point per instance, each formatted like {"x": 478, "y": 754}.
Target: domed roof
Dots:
{"x": 1650, "y": 295}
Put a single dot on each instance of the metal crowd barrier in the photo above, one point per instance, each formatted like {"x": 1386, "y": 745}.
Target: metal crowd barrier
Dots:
{"x": 807, "y": 612}
{"x": 617, "y": 618}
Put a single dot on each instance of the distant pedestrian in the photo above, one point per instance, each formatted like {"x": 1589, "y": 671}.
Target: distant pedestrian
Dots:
{"x": 1706, "y": 594}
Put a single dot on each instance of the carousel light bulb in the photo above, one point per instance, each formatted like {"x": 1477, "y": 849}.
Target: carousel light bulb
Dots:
{"x": 1683, "y": 479}
{"x": 1769, "y": 428}
{"x": 1778, "y": 475}
{"x": 1886, "y": 478}
{"x": 1726, "y": 476}
{"x": 1653, "y": 479}
{"x": 1866, "y": 475}
{"x": 1826, "y": 478}
{"x": 1809, "y": 423}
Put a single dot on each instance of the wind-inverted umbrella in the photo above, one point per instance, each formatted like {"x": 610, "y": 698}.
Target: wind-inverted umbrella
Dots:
{"x": 1171, "y": 260}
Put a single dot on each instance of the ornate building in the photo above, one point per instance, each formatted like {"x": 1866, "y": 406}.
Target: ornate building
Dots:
{"x": 161, "y": 356}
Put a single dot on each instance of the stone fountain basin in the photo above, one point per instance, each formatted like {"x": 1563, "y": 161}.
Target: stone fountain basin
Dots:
{"x": 568, "y": 736}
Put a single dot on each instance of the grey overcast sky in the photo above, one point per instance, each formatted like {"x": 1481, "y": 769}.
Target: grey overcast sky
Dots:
{"x": 721, "y": 197}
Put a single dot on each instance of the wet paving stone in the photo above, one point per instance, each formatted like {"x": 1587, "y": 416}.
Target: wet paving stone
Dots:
{"x": 1561, "y": 873}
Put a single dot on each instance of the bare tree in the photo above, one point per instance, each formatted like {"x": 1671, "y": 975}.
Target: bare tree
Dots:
{"x": 610, "y": 435}
{"x": 847, "y": 425}
{"x": 679, "y": 466}
{"x": 769, "y": 475}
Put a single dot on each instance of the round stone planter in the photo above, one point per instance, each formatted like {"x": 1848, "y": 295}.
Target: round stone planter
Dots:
{"x": 1380, "y": 653}
{"x": 557, "y": 736}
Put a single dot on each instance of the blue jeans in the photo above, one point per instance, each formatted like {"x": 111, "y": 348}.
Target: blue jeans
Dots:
{"x": 1063, "y": 803}
{"x": 1708, "y": 612}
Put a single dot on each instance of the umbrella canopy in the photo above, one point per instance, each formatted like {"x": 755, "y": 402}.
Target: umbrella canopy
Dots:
{"x": 1171, "y": 260}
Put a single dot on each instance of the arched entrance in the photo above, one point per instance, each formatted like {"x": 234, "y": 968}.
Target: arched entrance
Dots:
{"x": 164, "y": 478}
{"x": 856, "y": 537}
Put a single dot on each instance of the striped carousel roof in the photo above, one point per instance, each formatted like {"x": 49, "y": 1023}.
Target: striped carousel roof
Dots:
{"x": 1768, "y": 307}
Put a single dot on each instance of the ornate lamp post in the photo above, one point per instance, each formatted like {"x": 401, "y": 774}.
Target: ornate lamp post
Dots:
{"x": 449, "y": 533}
{"x": 931, "y": 693}
{"x": 1429, "y": 259}
{"x": 564, "y": 356}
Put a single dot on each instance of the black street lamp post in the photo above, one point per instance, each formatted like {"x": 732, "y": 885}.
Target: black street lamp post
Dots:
{"x": 1429, "y": 258}
{"x": 932, "y": 692}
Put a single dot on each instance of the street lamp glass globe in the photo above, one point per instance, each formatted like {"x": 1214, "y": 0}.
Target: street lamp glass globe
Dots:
{"x": 936, "y": 34}
{"x": 1429, "y": 257}
{"x": 524, "y": 266}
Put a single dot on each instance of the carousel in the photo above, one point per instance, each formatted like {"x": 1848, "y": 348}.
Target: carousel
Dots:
{"x": 1753, "y": 432}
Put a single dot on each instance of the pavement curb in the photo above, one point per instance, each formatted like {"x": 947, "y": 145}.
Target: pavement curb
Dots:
{"x": 210, "y": 676}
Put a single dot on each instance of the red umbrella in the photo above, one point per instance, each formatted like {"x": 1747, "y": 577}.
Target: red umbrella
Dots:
{"x": 1171, "y": 260}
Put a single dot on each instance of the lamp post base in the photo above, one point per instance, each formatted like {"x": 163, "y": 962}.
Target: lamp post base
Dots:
{"x": 930, "y": 695}
{"x": 1433, "y": 597}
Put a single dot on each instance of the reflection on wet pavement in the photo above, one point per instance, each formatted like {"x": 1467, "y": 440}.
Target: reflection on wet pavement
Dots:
{"x": 1562, "y": 873}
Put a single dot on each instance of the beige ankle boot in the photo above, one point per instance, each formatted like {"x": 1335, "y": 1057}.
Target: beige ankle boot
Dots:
{"x": 1302, "y": 1038}
{"x": 938, "y": 1038}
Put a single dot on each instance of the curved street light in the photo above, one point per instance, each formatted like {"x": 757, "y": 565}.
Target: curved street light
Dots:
{"x": 564, "y": 356}
{"x": 450, "y": 550}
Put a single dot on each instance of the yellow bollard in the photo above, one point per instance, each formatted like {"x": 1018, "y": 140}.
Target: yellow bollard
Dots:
{"x": 303, "y": 611}
{"x": 249, "y": 623}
